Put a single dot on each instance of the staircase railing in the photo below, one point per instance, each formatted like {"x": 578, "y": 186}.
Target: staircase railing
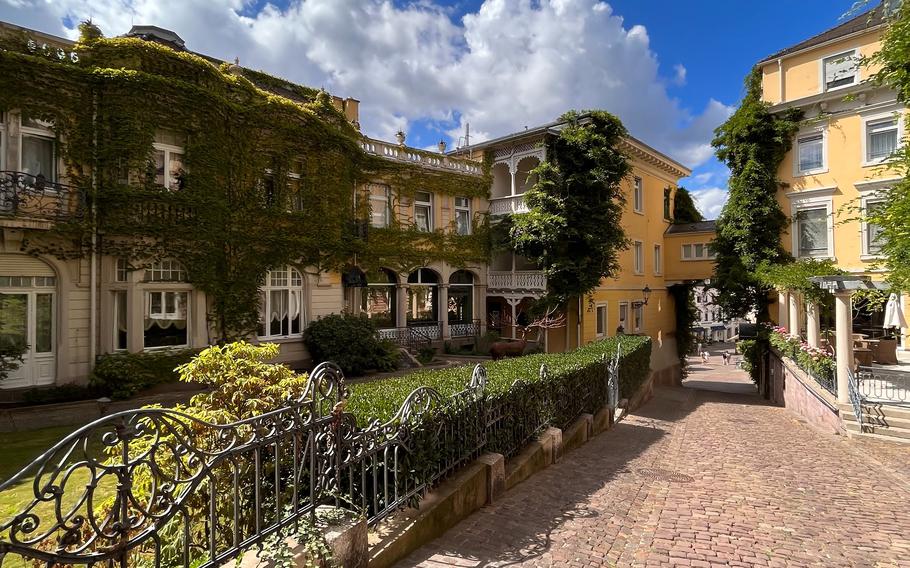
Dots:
{"x": 856, "y": 399}
{"x": 884, "y": 385}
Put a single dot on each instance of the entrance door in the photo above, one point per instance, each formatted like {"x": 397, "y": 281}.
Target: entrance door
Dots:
{"x": 27, "y": 318}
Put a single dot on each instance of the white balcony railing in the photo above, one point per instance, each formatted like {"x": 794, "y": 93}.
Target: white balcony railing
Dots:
{"x": 504, "y": 205}
{"x": 530, "y": 280}
{"x": 412, "y": 156}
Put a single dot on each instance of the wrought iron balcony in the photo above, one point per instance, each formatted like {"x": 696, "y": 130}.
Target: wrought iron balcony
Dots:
{"x": 524, "y": 280}
{"x": 25, "y": 196}
{"x": 506, "y": 205}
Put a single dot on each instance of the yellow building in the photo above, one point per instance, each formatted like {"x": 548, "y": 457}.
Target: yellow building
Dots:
{"x": 620, "y": 302}
{"x": 838, "y": 168}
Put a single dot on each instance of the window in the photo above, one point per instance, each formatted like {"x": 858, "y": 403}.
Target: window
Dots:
{"x": 638, "y": 251}
{"x": 812, "y": 232}
{"x": 120, "y": 321}
{"x": 810, "y": 153}
{"x": 122, "y": 270}
{"x": 698, "y": 251}
{"x": 166, "y": 270}
{"x": 423, "y": 296}
{"x": 872, "y": 233}
{"x": 423, "y": 211}
{"x": 667, "y": 193}
{"x": 623, "y": 316}
{"x": 881, "y": 139}
{"x": 840, "y": 70}
{"x": 378, "y": 300}
{"x": 638, "y": 196}
{"x": 658, "y": 261}
{"x": 165, "y": 319}
{"x": 380, "y": 205}
{"x": 168, "y": 164}
{"x": 462, "y": 215}
{"x": 38, "y": 156}
{"x": 281, "y": 304}
{"x": 460, "y": 303}
{"x": 601, "y": 321}
{"x": 638, "y": 311}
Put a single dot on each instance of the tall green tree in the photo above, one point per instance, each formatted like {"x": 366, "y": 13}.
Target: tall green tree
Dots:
{"x": 684, "y": 209}
{"x": 894, "y": 215}
{"x": 573, "y": 229}
{"x": 752, "y": 143}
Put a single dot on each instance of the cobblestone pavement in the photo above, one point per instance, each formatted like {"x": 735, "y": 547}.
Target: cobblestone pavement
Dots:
{"x": 703, "y": 478}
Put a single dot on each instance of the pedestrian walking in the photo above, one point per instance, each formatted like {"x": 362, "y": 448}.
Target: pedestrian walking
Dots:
{"x": 726, "y": 356}
{"x": 704, "y": 357}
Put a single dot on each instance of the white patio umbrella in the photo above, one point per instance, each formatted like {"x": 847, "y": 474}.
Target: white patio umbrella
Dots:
{"x": 894, "y": 314}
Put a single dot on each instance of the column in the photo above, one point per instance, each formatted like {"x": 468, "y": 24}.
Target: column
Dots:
{"x": 843, "y": 327}
{"x": 480, "y": 306}
{"x": 783, "y": 301}
{"x": 444, "y": 311}
{"x": 512, "y": 169}
{"x": 401, "y": 319}
{"x": 812, "y": 324}
{"x": 794, "y": 314}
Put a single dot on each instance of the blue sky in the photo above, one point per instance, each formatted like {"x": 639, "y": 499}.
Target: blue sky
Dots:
{"x": 671, "y": 70}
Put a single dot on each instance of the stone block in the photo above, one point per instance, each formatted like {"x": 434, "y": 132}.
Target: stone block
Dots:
{"x": 603, "y": 420}
{"x": 496, "y": 474}
{"x": 578, "y": 433}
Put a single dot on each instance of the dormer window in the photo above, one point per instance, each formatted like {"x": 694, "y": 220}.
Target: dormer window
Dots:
{"x": 840, "y": 70}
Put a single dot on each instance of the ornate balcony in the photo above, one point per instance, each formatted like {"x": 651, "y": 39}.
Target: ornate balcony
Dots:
{"x": 26, "y": 197}
{"x": 506, "y": 205}
{"x": 418, "y": 157}
{"x": 532, "y": 281}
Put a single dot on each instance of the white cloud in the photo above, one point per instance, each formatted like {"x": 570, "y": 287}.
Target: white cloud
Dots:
{"x": 710, "y": 201}
{"x": 680, "y": 77}
{"x": 510, "y": 64}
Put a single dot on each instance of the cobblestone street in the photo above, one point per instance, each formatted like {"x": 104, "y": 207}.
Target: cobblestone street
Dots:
{"x": 707, "y": 475}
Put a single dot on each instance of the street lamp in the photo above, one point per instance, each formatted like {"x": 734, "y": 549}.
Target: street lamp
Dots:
{"x": 646, "y": 294}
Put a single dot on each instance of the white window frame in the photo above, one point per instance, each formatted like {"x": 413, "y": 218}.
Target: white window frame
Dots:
{"x": 812, "y": 199}
{"x": 638, "y": 317}
{"x": 383, "y": 199}
{"x": 43, "y": 132}
{"x": 896, "y": 113}
{"x": 658, "y": 260}
{"x": 597, "y": 320}
{"x": 462, "y": 209}
{"x": 115, "y": 312}
{"x": 638, "y": 257}
{"x": 867, "y": 200}
{"x": 429, "y": 205}
{"x": 169, "y": 149}
{"x": 169, "y": 266}
{"x": 705, "y": 247}
{"x": 265, "y": 309}
{"x": 147, "y": 312}
{"x": 823, "y": 131}
{"x": 638, "y": 195}
{"x": 823, "y": 84}
{"x": 624, "y": 306}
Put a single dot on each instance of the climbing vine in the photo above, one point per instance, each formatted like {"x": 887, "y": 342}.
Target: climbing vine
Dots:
{"x": 686, "y": 315}
{"x": 266, "y": 180}
{"x": 752, "y": 143}
{"x": 573, "y": 230}
{"x": 795, "y": 277}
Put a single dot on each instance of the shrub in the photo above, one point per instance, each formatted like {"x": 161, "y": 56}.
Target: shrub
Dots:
{"x": 349, "y": 341}
{"x": 121, "y": 375}
{"x": 751, "y": 350}
{"x": 64, "y": 393}
{"x": 425, "y": 354}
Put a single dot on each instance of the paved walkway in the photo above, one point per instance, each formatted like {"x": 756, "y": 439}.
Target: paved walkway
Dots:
{"x": 699, "y": 477}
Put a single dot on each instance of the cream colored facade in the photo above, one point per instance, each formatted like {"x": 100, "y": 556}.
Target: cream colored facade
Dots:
{"x": 838, "y": 166}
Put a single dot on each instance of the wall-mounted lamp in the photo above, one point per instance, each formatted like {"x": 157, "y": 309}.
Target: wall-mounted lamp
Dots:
{"x": 645, "y": 296}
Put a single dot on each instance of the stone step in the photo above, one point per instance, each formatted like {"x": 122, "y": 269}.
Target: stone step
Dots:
{"x": 884, "y": 437}
{"x": 872, "y": 409}
{"x": 879, "y": 421}
{"x": 879, "y": 431}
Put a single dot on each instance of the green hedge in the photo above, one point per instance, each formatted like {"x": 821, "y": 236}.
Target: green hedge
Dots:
{"x": 350, "y": 341}
{"x": 121, "y": 375}
{"x": 381, "y": 399}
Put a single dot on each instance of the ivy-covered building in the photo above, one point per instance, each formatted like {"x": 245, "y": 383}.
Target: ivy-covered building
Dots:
{"x": 154, "y": 198}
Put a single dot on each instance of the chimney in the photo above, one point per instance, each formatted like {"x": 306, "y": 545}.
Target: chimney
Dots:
{"x": 352, "y": 111}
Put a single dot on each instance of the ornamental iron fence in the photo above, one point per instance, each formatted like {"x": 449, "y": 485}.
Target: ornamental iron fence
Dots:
{"x": 35, "y": 197}
{"x": 884, "y": 385}
{"x": 158, "y": 487}
{"x": 856, "y": 399}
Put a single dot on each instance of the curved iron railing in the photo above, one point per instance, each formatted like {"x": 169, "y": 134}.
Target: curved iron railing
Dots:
{"x": 856, "y": 399}
{"x": 884, "y": 385}
{"x": 29, "y": 196}
{"x": 159, "y": 487}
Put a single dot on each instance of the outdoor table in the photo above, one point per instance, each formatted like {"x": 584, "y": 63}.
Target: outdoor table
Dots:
{"x": 862, "y": 356}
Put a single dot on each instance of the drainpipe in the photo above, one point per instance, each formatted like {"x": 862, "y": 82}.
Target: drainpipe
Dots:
{"x": 780, "y": 74}
{"x": 578, "y": 323}
{"x": 93, "y": 277}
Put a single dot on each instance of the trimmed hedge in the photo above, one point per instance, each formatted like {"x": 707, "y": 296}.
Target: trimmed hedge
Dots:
{"x": 350, "y": 341}
{"x": 381, "y": 399}
{"x": 121, "y": 375}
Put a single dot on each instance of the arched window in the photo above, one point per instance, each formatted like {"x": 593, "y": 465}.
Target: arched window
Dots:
{"x": 378, "y": 299}
{"x": 460, "y": 304}
{"x": 282, "y": 304}
{"x": 423, "y": 296}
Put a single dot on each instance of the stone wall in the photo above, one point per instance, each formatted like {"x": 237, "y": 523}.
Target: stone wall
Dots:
{"x": 798, "y": 392}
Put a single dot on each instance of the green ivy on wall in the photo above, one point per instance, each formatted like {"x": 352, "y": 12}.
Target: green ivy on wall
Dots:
{"x": 237, "y": 213}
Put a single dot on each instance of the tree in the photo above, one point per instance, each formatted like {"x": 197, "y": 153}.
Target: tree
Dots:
{"x": 752, "y": 143}
{"x": 684, "y": 210}
{"x": 894, "y": 214}
{"x": 573, "y": 229}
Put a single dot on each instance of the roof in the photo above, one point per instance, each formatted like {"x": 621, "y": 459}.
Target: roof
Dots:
{"x": 699, "y": 227}
{"x": 556, "y": 126}
{"x": 160, "y": 35}
{"x": 866, "y": 21}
